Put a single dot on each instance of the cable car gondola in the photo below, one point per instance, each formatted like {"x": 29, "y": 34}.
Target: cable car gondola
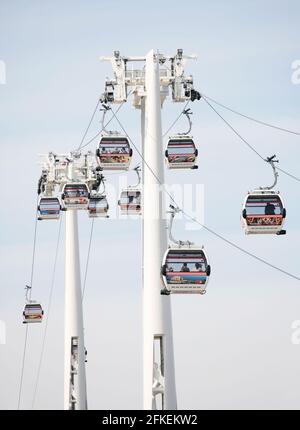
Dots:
{"x": 33, "y": 312}
{"x": 98, "y": 206}
{"x": 114, "y": 152}
{"x": 49, "y": 208}
{"x": 263, "y": 213}
{"x": 181, "y": 152}
{"x": 130, "y": 202}
{"x": 263, "y": 209}
{"x": 75, "y": 195}
{"x": 185, "y": 268}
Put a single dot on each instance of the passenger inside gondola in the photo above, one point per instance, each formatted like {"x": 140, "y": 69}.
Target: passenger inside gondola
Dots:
{"x": 269, "y": 209}
{"x": 264, "y": 210}
{"x": 198, "y": 268}
{"x": 185, "y": 268}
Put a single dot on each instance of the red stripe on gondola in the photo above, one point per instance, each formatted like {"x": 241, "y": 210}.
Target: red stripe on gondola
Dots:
{"x": 261, "y": 203}
{"x": 179, "y": 143}
{"x": 264, "y": 216}
{"x": 178, "y": 257}
{"x": 181, "y": 154}
{"x": 187, "y": 273}
{"x": 114, "y": 142}
{"x": 176, "y": 145}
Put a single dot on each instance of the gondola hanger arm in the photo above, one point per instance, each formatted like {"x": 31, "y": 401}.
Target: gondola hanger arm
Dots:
{"x": 105, "y": 108}
{"x": 272, "y": 160}
{"x": 187, "y": 113}
{"x": 173, "y": 211}
{"x": 137, "y": 170}
{"x": 27, "y": 298}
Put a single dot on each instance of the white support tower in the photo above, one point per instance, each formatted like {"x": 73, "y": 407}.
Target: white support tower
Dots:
{"x": 60, "y": 171}
{"x": 75, "y": 396}
{"x": 150, "y": 88}
{"x": 158, "y": 356}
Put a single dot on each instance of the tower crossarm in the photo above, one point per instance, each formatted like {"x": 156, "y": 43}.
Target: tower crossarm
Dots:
{"x": 171, "y": 74}
{"x": 55, "y": 170}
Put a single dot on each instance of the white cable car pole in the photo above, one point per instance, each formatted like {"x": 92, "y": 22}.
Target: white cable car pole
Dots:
{"x": 158, "y": 366}
{"x": 75, "y": 396}
{"x": 150, "y": 87}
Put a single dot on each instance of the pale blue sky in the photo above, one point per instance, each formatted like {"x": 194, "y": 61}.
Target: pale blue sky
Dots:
{"x": 232, "y": 346}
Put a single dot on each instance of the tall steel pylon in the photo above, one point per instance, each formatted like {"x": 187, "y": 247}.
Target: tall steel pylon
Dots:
{"x": 75, "y": 396}
{"x": 150, "y": 87}
{"x": 158, "y": 355}
{"x": 79, "y": 173}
